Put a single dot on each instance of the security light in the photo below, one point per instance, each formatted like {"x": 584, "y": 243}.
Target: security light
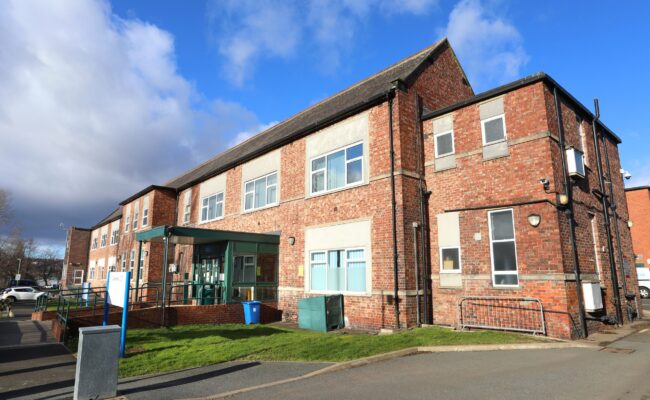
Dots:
{"x": 534, "y": 220}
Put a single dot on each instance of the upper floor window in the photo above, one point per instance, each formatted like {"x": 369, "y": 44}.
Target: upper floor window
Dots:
{"x": 261, "y": 192}
{"x": 444, "y": 143}
{"x": 135, "y": 218}
{"x": 493, "y": 129}
{"x": 503, "y": 248}
{"x": 337, "y": 169}
{"x": 145, "y": 217}
{"x": 127, "y": 224}
{"x": 187, "y": 208}
{"x": 104, "y": 237}
{"x": 123, "y": 262}
{"x": 212, "y": 207}
{"x": 94, "y": 244}
{"x": 115, "y": 237}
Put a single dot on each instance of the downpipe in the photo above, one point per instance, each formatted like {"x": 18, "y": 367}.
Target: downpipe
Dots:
{"x": 390, "y": 96}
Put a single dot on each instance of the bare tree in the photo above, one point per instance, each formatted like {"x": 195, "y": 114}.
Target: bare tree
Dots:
{"x": 12, "y": 248}
{"x": 46, "y": 265}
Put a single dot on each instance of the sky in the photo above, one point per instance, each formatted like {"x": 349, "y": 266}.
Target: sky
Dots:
{"x": 99, "y": 99}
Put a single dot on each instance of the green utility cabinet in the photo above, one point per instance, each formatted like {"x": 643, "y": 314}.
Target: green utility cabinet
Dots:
{"x": 322, "y": 313}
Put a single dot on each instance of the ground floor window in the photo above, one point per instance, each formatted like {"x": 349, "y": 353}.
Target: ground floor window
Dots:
{"x": 503, "y": 249}
{"x": 450, "y": 259}
{"x": 340, "y": 270}
{"x": 78, "y": 277}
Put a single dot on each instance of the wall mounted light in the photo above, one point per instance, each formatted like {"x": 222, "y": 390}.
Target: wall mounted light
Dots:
{"x": 292, "y": 240}
{"x": 630, "y": 224}
{"x": 534, "y": 220}
{"x": 563, "y": 199}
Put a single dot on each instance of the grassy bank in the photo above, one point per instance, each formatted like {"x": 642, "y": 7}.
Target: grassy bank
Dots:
{"x": 168, "y": 349}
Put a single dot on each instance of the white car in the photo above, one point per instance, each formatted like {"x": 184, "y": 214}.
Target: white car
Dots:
{"x": 18, "y": 293}
{"x": 643, "y": 275}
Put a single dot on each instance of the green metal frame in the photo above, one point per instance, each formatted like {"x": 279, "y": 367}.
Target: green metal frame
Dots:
{"x": 232, "y": 239}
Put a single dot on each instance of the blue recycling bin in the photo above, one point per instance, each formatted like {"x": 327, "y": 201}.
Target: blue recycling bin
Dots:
{"x": 252, "y": 312}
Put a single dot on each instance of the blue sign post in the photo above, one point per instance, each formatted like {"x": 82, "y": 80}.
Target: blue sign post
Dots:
{"x": 117, "y": 294}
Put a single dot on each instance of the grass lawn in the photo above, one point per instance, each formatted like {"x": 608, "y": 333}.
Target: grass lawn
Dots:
{"x": 168, "y": 349}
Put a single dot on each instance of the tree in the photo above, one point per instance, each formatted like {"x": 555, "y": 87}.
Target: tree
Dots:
{"x": 13, "y": 247}
{"x": 4, "y": 207}
{"x": 46, "y": 265}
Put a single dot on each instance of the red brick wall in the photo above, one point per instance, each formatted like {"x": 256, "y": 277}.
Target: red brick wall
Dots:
{"x": 638, "y": 202}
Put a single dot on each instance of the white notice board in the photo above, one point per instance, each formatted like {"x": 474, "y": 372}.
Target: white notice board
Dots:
{"x": 117, "y": 287}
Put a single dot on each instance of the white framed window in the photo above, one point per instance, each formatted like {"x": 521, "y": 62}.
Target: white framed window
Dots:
{"x": 78, "y": 277}
{"x": 132, "y": 261}
{"x": 261, "y": 192}
{"x": 115, "y": 237}
{"x": 187, "y": 208}
{"x": 450, "y": 260}
{"x": 112, "y": 268}
{"x": 141, "y": 266}
{"x": 102, "y": 272}
{"x": 594, "y": 238}
{"x": 444, "y": 143}
{"x": 123, "y": 262}
{"x": 136, "y": 214}
{"x": 145, "y": 217}
{"x": 244, "y": 270}
{"x": 503, "y": 249}
{"x": 104, "y": 237}
{"x": 212, "y": 207}
{"x": 583, "y": 138}
{"x": 91, "y": 271}
{"x": 338, "y": 270}
{"x": 93, "y": 246}
{"x": 493, "y": 129}
{"x": 337, "y": 169}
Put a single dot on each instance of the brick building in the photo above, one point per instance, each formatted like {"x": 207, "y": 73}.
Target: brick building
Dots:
{"x": 368, "y": 191}
{"x": 638, "y": 202}
{"x": 75, "y": 262}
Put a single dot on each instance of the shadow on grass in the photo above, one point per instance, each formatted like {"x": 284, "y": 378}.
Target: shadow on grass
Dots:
{"x": 224, "y": 332}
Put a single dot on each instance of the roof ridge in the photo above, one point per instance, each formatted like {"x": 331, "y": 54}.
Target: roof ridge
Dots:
{"x": 427, "y": 49}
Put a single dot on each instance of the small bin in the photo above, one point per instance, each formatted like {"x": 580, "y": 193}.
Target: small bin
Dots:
{"x": 252, "y": 311}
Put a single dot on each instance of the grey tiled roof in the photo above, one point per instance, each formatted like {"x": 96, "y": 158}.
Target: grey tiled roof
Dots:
{"x": 116, "y": 214}
{"x": 348, "y": 101}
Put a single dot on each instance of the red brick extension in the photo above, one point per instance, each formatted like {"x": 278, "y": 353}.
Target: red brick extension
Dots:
{"x": 638, "y": 202}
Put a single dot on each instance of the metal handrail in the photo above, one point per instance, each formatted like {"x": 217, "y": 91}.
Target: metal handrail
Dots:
{"x": 542, "y": 320}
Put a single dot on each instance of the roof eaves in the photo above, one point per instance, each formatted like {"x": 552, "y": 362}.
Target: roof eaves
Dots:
{"x": 145, "y": 191}
{"x": 642, "y": 187}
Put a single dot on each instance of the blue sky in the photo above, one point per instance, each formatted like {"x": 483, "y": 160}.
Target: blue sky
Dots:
{"x": 99, "y": 99}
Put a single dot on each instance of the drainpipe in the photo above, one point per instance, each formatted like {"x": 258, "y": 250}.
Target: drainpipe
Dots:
{"x": 164, "y": 274}
{"x": 137, "y": 273}
{"x": 615, "y": 214}
{"x": 390, "y": 95}
{"x": 570, "y": 216}
{"x": 423, "y": 196}
{"x": 417, "y": 273}
{"x": 604, "y": 201}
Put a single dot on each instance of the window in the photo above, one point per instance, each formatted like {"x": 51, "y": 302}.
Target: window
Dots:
{"x": 123, "y": 262}
{"x": 583, "y": 138}
{"x": 132, "y": 261}
{"x": 337, "y": 169}
{"x": 145, "y": 217}
{"x": 212, "y": 207}
{"x": 104, "y": 236}
{"x": 78, "y": 277}
{"x": 450, "y": 259}
{"x": 244, "y": 269}
{"x": 94, "y": 244}
{"x": 575, "y": 162}
{"x": 502, "y": 248}
{"x": 112, "y": 268}
{"x": 444, "y": 143}
{"x": 91, "y": 272}
{"x": 494, "y": 129}
{"x": 341, "y": 270}
{"x": 187, "y": 208}
{"x": 261, "y": 192}
{"x": 141, "y": 266}
{"x": 101, "y": 272}
{"x": 115, "y": 237}
{"x": 127, "y": 224}
{"x": 135, "y": 218}
{"x": 594, "y": 238}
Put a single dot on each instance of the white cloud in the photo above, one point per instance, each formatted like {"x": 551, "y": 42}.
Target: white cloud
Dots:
{"x": 93, "y": 109}
{"x": 247, "y": 134}
{"x": 246, "y": 31}
{"x": 489, "y": 47}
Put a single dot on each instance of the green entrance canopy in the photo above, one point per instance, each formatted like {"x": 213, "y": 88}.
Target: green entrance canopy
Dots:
{"x": 184, "y": 235}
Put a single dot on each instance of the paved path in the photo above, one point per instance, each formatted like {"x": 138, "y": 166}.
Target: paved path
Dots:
{"x": 621, "y": 372}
